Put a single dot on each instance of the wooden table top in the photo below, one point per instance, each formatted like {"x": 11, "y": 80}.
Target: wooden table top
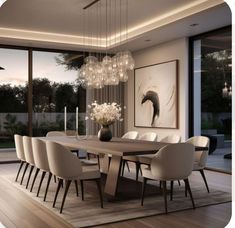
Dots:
{"x": 117, "y": 146}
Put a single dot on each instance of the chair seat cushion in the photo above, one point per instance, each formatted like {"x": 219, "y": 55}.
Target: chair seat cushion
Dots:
{"x": 89, "y": 162}
{"x": 86, "y": 175}
{"x": 196, "y": 166}
{"x": 130, "y": 158}
{"x": 146, "y": 159}
{"x": 147, "y": 173}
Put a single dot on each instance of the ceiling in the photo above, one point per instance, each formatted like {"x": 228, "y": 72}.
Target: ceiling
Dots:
{"x": 64, "y": 24}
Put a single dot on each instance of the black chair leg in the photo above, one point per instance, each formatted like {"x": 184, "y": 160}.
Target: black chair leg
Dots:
{"x": 165, "y": 195}
{"x": 127, "y": 165}
{"x": 179, "y": 183}
{"x": 34, "y": 179}
{"x": 30, "y": 173}
{"x": 98, "y": 159}
{"x": 137, "y": 167}
{"x": 172, "y": 187}
{"x": 160, "y": 184}
{"x": 21, "y": 165}
{"x": 204, "y": 178}
{"x": 26, "y": 167}
{"x": 48, "y": 183}
{"x": 76, "y": 186}
{"x": 54, "y": 178}
{"x": 109, "y": 158}
{"x": 123, "y": 166}
{"x": 57, "y": 191}
{"x": 189, "y": 191}
{"x": 185, "y": 190}
{"x": 42, "y": 177}
{"x": 82, "y": 189}
{"x": 67, "y": 184}
{"x": 100, "y": 192}
{"x": 143, "y": 190}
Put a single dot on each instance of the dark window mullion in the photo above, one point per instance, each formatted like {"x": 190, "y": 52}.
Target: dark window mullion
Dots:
{"x": 30, "y": 91}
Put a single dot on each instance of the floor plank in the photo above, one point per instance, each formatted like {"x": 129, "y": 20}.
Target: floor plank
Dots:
{"x": 18, "y": 210}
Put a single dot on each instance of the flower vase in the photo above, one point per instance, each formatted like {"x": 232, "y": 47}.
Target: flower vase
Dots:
{"x": 105, "y": 133}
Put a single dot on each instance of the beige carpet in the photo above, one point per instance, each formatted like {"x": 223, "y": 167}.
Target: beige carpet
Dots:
{"x": 88, "y": 212}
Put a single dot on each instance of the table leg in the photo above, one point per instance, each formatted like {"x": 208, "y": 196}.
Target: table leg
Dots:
{"x": 104, "y": 164}
{"x": 113, "y": 175}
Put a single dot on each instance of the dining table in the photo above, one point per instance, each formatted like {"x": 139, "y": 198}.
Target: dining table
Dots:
{"x": 115, "y": 149}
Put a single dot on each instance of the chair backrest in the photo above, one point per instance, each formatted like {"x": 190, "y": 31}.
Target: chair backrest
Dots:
{"x": 19, "y": 147}
{"x": 200, "y": 156}
{"x": 62, "y": 162}
{"x": 28, "y": 150}
{"x": 55, "y": 133}
{"x": 131, "y": 135}
{"x": 40, "y": 154}
{"x": 148, "y": 136}
{"x": 173, "y": 162}
{"x": 171, "y": 139}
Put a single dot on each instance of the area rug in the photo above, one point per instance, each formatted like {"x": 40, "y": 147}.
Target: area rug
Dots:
{"x": 88, "y": 213}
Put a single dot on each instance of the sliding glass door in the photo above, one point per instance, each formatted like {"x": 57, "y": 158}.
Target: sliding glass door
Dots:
{"x": 211, "y": 87}
{"x": 35, "y": 87}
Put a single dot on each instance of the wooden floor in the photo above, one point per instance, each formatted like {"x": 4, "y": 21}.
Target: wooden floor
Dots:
{"x": 18, "y": 210}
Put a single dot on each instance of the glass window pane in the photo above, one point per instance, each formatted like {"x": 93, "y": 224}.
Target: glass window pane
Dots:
{"x": 54, "y": 88}
{"x": 13, "y": 94}
{"x": 212, "y": 80}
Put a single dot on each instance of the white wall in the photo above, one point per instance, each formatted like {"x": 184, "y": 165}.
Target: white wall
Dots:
{"x": 177, "y": 49}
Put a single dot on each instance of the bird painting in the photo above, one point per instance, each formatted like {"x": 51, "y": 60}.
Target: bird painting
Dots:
{"x": 156, "y": 89}
{"x": 154, "y": 99}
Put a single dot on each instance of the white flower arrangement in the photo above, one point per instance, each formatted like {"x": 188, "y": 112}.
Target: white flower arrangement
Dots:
{"x": 106, "y": 113}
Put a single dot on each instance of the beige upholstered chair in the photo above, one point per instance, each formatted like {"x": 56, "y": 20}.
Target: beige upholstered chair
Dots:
{"x": 131, "y": 135}
{"x": 28, "y": 151}
{"x": 200, "y": 157}
{"x": 62, "y": 133}
{"x": 148, "y": 136}
{"x": 41, "y": 163}
{"x": 20, "y": 153}
{"x": 171, "y": 139}
{"x": 147, "y": 158}
{"x": 66, "y": 166}
{"x": 55, "y": 133}
{"x": 172, "y": 162}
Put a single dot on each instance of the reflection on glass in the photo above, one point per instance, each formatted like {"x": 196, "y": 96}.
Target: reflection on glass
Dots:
{"x": 212, "y": 95}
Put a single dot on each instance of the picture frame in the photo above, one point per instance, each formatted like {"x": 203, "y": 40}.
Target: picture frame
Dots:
{"x": 156, "y": 95}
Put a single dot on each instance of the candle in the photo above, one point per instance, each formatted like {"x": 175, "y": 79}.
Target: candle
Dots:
{"x": 65, "y": 119}
{"x": 76, "y": 119}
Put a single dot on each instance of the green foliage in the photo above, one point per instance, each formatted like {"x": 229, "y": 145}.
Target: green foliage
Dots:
{"x": 48, "y": 97}
{"x": 41, "y": 129}
{"x": 13, "y": 126}
{"x": 70, "y": 61}
{"x": 65, "y": 96}
{"x": 13, "y": 99}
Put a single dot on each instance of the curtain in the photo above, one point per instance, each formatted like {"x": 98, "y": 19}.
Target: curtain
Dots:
{"x": 107, "y": 94}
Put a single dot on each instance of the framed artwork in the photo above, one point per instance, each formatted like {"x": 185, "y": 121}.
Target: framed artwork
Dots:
{"x": 156, "y": 95}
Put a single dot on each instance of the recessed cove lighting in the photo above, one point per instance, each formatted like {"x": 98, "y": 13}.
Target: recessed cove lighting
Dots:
{"x": 1, "y": 2}
{"x": 194, "y": 24}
